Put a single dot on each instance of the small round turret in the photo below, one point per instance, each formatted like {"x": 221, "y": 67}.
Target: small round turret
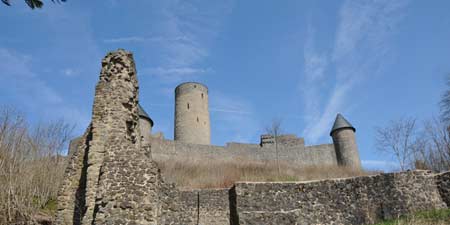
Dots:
{"x": 192, "y": 123}
{"x": 343, "y": 134}
{"x": 145, "y": 124}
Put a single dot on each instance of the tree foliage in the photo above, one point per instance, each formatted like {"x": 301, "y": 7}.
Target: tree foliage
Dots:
{"x": 33, "y": 3}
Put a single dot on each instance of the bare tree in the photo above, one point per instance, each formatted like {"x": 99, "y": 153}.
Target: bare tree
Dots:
{"x": 274, "y": 129}
{"x": 30, "y": 165}
{"x": 445, "y": 104}
{"x": 432, "y": 146}
{"x": 397, "y": 139}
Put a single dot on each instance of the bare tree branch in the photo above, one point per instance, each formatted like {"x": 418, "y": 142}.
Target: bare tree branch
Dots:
{"x": 274, "y": 129}
{"x": 397, "y": 139}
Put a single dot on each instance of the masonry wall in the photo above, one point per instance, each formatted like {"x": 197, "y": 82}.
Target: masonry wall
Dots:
{"x": 192, "y": 124}
{"x": 359, "y": 200}
{"x": 443, "y": 182}
{"x": 299, "y": 154}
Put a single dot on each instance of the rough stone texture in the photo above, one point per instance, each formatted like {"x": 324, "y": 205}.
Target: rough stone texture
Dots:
{"x": 146, "y": 130}
{"x": 198, "y": 207}
{"x": 192, "y": 123}
{"x": 71, "y": 196}
{"x": 346, "y": 149}
{"x": 360, "y": 200}
{"x": 288, "y": 140}
{"x": 110, "y": 179}
{"x": 318, "y": 155}
{"x": 73, "y": 146}
{"x": 443, "y": 182}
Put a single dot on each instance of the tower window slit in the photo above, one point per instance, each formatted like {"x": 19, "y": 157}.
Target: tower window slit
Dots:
{"x": 197, "y": 119}
{"x": 188, "y": 106}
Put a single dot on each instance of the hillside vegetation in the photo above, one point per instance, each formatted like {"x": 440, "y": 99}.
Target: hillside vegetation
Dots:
{"x": 31, "y": 167}
{"x": 212, "y": 173}
{"x": 435, "y": 217}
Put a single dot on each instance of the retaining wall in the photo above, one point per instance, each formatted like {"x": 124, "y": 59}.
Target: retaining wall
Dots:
{"x": 359, "y": 200}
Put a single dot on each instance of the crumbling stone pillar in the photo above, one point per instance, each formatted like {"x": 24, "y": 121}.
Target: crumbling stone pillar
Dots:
{"x": 110, "y": 179}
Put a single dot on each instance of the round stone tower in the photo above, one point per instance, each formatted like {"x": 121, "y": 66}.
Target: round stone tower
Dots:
{"x": 343, "y": 134}
{"x": 192, "y": 114}
{"x": 145, "y": 125}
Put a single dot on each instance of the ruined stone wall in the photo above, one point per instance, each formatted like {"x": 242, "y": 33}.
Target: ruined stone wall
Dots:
{"x": 110, "y": 179}
{"x": 323, "y": 155}
{"x": 443, "y": 182}
{"x": 146, "y": 130}
{"x": 207, "y": 206}
{"x": 359, "y": 200}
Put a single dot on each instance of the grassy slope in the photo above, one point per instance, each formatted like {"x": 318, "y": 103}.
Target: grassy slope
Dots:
{"x": 434, "y": 217}
{"x": 210, "y": 173}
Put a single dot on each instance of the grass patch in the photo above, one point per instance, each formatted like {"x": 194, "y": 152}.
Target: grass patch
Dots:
{"x": 214, "y": 173}
{"x": 433, "y": 217}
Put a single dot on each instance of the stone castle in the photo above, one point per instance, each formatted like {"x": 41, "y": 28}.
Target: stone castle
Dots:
{"x": 112, "y": 178}
{"x": 192, "y": 137}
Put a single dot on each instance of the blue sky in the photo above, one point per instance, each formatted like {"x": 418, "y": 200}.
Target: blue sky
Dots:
{"x": 298, "y": 61}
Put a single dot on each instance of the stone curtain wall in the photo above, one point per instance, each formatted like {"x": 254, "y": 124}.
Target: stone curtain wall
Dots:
{"x": 318, "y": 155}
{"x": 360, "y": 200}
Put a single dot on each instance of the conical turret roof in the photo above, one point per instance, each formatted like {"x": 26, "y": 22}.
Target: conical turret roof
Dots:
{"x": 341, "y": 123}
{"x": 144, "y": 114}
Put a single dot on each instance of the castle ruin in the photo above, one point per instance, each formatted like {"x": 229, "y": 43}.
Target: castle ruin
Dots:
{"x": 192, "y": 138}
{"x": 112, "y": 178}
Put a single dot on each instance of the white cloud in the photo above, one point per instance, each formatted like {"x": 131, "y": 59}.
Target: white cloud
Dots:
{"x": 16, "y": 75}
{"x": 69, "y": 72}
{"x": 187, "y": 31}
{"x": 139, "y": 39}
{"x": 361, "y": 43}
{"x": 28, "y": 90}
{"x": 176, "y": 74}
{"x": 233, "y": 115}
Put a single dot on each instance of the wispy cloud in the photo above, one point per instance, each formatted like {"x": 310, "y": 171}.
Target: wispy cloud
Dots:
{"x": 361, "y": 43}
{"x": 17, "y": 76}
{"x": 140, "y": 39}
{"x": 188, "y": 30}
{"x": 233, "y": 115}
{"x": 29, "y": 91}
{"x": 176, "y": 74}
{"x": 70, "y": 72}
